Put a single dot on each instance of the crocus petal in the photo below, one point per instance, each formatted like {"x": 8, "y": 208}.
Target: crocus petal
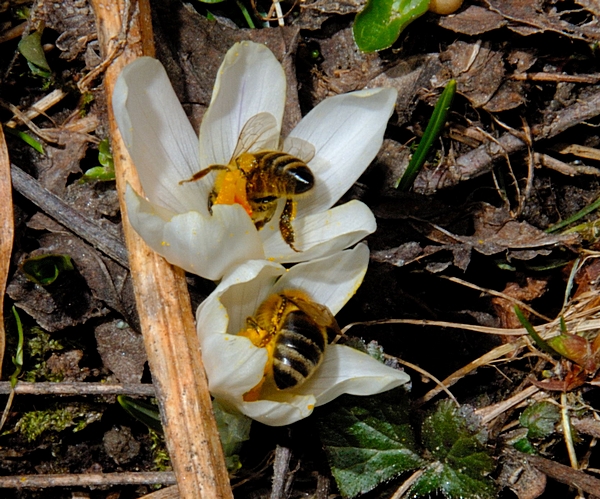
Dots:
{"x": 330, "y": 281}
{"x": 233, "y": 364}
{"x": 195, "y": 242}
{"x": 346, "y": 370}
{"x": 158, "y": 136}
{"x": 253, "y": 283}
{"x": 250, "y": 81}
{"x": 320, "y": 234}
{"x": 279, "y": 413}
{"x": 347, "y": 132}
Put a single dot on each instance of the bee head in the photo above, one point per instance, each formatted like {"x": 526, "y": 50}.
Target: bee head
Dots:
{"x": 303, "y": 178}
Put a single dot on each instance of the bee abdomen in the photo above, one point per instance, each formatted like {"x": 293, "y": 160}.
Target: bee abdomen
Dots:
{"x": 298, "y": 352}
{"x": 281, "y": 173}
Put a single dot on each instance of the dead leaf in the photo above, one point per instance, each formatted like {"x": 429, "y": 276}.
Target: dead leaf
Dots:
{"x": 504, "y": 308}
{"x": 526, "y": 481}
{"x": 473, "y": 21}
{"x": 477, "y": 68}
{"x": 528, "y": 17}
{"x": 122, "y": 351}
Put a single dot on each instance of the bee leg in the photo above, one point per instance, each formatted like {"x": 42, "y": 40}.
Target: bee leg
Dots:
{"x": 256, "y": 334}
{"x": 211, "y": 200}
{"x": 285, "y": 223}
{"x": 202, "y": 173}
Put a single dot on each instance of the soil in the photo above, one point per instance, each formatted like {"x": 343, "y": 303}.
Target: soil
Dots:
{"x": 474, "y": 236}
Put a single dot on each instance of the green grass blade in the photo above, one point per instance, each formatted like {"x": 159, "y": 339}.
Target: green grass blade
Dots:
{"x": 539, "y": 341}
{"x": 18, "y": 357}
{"x": 28, "y": 139}
{"x": 573, "y": 218}
{"x": 432, "y": 132}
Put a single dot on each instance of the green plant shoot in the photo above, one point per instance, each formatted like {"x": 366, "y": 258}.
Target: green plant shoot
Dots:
{"x": 432, "y": 132}
{"x": 380, "y": 23}
{"x": 28, "y": 139}
{"x": 45, "y": 269}
{"x": 18, "y": 357}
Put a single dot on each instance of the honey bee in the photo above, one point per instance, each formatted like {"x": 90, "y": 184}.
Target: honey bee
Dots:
{"x": 295, "y": 331}
{"x": 258, "y": 179}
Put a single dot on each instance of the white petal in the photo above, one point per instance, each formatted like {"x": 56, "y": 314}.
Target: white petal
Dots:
{"x": 242, "y": 299}
{"x": 330, "y": 281}
{"x": 274, "y": 413}
{"x": 320, "y": 234}
{"x": 209, "y": 246}
{"x": 346, "y": 370}
{"x": 347, "y": 132}
{"x": 250, "y": 81}
{"x": 233, "y": 364}
{"x": 158, "y": 136}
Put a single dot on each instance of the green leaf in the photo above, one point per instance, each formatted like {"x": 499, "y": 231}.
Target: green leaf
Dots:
{"x": 104, "y": 172}
{"x": 142, "y": 411}
{"x": 539, "y": 341}
{"x": 380, "y": 23}
{"x": 45, "y": 269}
{"x": 31, "y": 48}
{"x": 234, "y": 429}
{"x": 453, "y": 437}
{"x": 28, "y": 139}
{"x": 18, "y": 357}
{"x": 432, "y": 132}
{"x": 368, "y": 440}
{"x": 540, "y": 419}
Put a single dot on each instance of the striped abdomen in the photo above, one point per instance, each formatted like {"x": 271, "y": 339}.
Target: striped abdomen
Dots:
{"x": 299, "y": 349}
{"x": 278, "y": 174}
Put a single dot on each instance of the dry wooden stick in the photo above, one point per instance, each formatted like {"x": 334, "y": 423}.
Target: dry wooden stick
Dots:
{"x": 64, "y": 214}
{"x": 87, "y": 479}
{"x": 7, "y": 228}
{"x": 161, "y": 292}
{"x": 77, "y": 388}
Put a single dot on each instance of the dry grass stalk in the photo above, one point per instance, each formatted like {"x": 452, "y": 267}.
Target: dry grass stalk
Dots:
{"x": 124, "y": 32}
{"x": 7, "y": 228}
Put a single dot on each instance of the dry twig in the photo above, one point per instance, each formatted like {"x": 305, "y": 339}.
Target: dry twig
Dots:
{"x": 162, "y": 297}
{"x": 6, "y": 232}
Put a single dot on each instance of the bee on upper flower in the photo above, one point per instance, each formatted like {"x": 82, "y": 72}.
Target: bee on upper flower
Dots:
{"x": 246, "y": 193}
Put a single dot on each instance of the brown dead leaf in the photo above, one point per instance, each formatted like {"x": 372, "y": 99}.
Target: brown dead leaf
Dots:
{"x": 494, "y": 232}
{"x": 121, "y": 445}
{"x": 344, "y": 67}
{"x": 533, "y": 288}
{"x": 526, "y": 481}
{"x": 122, "y": 351}
{"x": 528, "y": 17}
{"x": 66, "y": 366}
{"x": 313, "y": 14}
{"x": 73, "y": 20}
{"x": 412, "y": 76}
{"x": 477, "y": 68}
{"x": 473, "y": 21}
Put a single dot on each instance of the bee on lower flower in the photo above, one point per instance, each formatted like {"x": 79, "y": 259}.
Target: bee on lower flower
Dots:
{"x": 295, "y": 331}
{"x": 266, "y": 332}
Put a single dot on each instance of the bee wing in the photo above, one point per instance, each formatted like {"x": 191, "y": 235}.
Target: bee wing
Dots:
{"x": 299, "y": 148}
{"x": 259, "y": 133}
{"x": 318, "y": 313}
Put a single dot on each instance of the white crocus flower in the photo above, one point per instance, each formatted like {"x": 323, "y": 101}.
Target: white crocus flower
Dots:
{"x": 234, "y": 365}
{"x": 346, "y": 132}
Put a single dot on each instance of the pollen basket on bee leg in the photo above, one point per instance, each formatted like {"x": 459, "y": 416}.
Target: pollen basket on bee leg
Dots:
{"x": 230, "y": 187}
